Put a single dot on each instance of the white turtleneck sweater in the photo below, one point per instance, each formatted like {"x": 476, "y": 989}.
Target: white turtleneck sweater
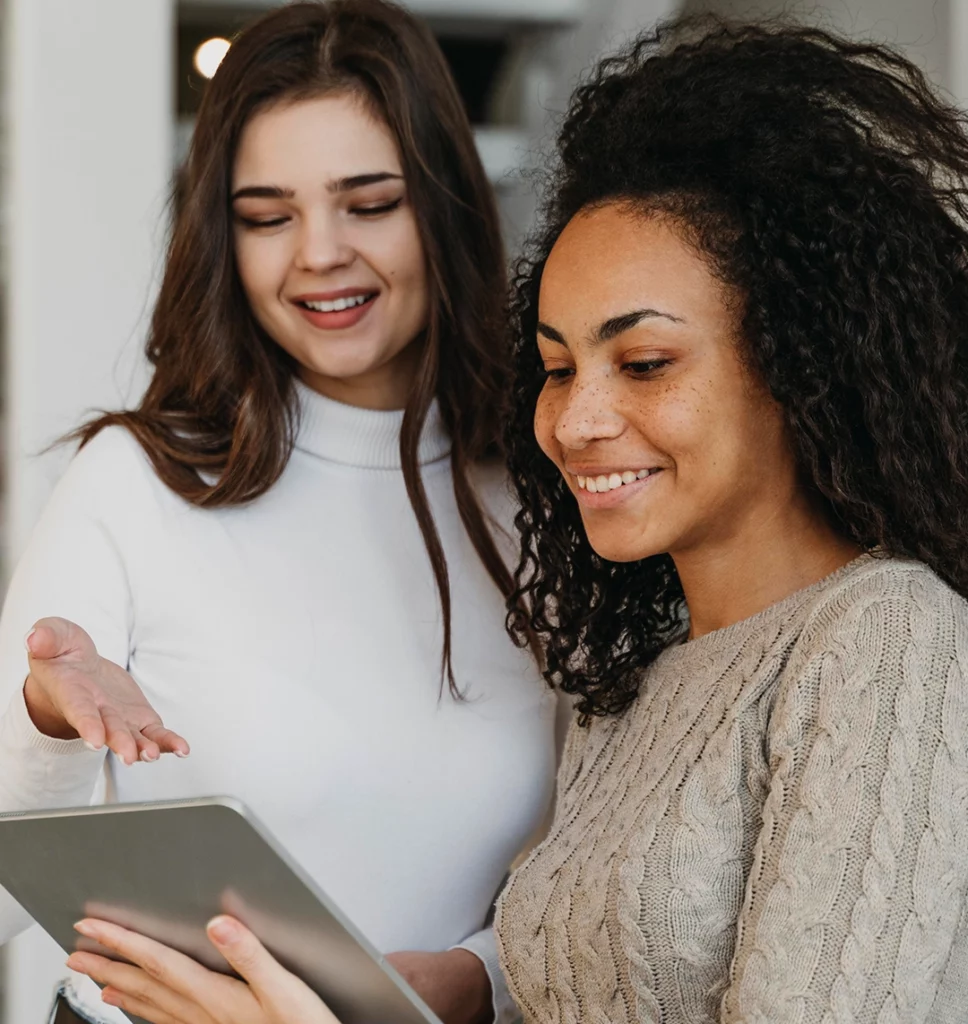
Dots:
{"x": 295, "y": 642}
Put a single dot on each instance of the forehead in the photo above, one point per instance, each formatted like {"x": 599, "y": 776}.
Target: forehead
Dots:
{"x": 308, "y": 142}
{"x": 612, "y": 258}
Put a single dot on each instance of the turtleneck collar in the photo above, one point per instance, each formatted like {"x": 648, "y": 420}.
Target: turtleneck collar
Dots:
{"x": 366, "y": 438}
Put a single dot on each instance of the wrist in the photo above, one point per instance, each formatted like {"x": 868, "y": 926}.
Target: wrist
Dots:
{"x": 45, "y": 716}
{"x": 478, "y": 997}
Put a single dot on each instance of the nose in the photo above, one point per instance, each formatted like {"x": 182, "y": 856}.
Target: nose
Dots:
{"x": 322, "y": 245}
{"x": 588, "y": 414}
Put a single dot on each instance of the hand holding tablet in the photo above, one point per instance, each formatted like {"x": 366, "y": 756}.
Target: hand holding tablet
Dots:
{"x": 154, "y": 876}
{"x": 166, "y": 987}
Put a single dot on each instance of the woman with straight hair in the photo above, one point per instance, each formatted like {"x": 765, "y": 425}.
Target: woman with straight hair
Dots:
{"x": 293, "y": 550}
{"x": 739, "y": 435}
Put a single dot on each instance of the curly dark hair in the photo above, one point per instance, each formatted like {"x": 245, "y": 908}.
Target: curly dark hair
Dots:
{"x": 824, "y": 182}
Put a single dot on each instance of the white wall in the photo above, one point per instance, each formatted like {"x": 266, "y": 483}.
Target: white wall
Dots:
{"x": 89, "y": 116}
{"x": 88, "y": 153}
{"x": 921, "y": 27}
{"x": 609, "y": 24}
{"x": 957, "y": 64}
{"x": 539, "y": 80}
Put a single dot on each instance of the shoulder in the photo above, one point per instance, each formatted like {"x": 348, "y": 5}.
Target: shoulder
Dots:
{"x": 890, "y": 620}
{"x": 111, "y": 471}
{"x": 888, "y": 600}
{"x": 109, "y": 449}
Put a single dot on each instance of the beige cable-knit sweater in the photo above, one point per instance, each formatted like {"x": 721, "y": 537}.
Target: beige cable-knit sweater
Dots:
{"x": 775, "y": 832}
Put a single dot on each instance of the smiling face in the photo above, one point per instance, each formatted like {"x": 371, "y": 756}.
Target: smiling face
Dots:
{"x": 649, "y": 412}
{"x": 328, "y": 249}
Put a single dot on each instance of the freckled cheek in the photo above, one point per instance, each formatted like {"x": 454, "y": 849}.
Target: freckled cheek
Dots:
{"x": 671, "y": 422}
{"x": 706, "y": 449}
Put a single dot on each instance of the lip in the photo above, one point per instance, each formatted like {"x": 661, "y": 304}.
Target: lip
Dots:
{"x": 609, "y": 499}
{"x": 338, "y": 320}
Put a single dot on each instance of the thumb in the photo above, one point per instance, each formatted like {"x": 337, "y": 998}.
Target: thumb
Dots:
{"x": 283, "y": 997}
{"x": 244, "y": 952}
{"x": 54, "y": 637}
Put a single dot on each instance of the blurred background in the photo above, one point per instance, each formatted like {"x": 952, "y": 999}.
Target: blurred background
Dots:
{"x": 98, "y": 104}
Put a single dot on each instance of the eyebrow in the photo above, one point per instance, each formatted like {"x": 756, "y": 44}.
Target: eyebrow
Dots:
{"x": 612, "y": 327}
{"x": 340, "y": 185}
{"x": 263, "y": 192}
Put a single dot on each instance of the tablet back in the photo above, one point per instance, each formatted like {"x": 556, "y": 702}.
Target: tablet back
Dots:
{"x": 165, "y": 869}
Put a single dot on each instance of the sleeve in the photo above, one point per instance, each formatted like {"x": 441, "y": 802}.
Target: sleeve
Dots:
{"x": 484, "y": 946}
{"x": 72, "y": 567}
{"x": 859, "y": 873}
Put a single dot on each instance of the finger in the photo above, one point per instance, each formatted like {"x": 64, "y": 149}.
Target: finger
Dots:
{"x": 119, "y": 736}
{"x": 148, "y": 750}
{"x": 201, "y": 988}
{"x": 130, "y": 1004}
{"x": 167, "y": 740}
{"x": 280, "y": 993}
{"x": 244, "y": 952}
{"x": 53, "y": 637}
{"x": 157, "y": 960}
{"x": 132, "y": 983}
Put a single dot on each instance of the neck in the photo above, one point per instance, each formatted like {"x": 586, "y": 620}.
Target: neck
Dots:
{"x": 775, "y": 555}
{"x": 364, "y": 438}
{"x": 384, "y": 388}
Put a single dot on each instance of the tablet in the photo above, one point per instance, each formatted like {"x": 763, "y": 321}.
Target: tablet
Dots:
{"x": 165, "y": 869}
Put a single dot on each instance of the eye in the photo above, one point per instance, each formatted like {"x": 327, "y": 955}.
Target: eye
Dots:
{"x": 645, "y": 367}
{"x": 254, "y": 223}
{"x": 558, "y": 373}
{"x": 375, "y": 211}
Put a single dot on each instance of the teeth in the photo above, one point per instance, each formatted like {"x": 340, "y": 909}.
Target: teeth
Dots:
{"x": 337, "y": 304}
{"x": 598, "y": 484}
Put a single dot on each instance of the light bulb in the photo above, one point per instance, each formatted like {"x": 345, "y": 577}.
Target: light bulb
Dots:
{"x": 209, "y": 55}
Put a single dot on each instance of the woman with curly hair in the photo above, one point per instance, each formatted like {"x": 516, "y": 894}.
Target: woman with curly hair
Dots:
{"x": 743, "y": 347}
{"x": 739, "y": 441}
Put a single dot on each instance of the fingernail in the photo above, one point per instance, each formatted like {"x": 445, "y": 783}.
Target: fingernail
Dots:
{"x": 27, "y": 639}
{"x": 223, "y": 930}
{"x": 181, "y": 753}
{"x": 91, "y": 747}
{"x": 85, "y": 928}
{"x": 74, "y": 962}
{"x": 146, "y": 756}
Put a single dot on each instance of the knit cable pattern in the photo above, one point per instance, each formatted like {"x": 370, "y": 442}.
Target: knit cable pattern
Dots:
{"x": 776, "y": 832}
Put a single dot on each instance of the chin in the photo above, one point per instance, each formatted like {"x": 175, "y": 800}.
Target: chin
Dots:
{"x": 613, "y": 548}
{"x": 345, "y": 369}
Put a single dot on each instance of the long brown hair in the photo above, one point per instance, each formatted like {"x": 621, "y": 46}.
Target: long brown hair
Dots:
{"x": 219, "y": 417}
